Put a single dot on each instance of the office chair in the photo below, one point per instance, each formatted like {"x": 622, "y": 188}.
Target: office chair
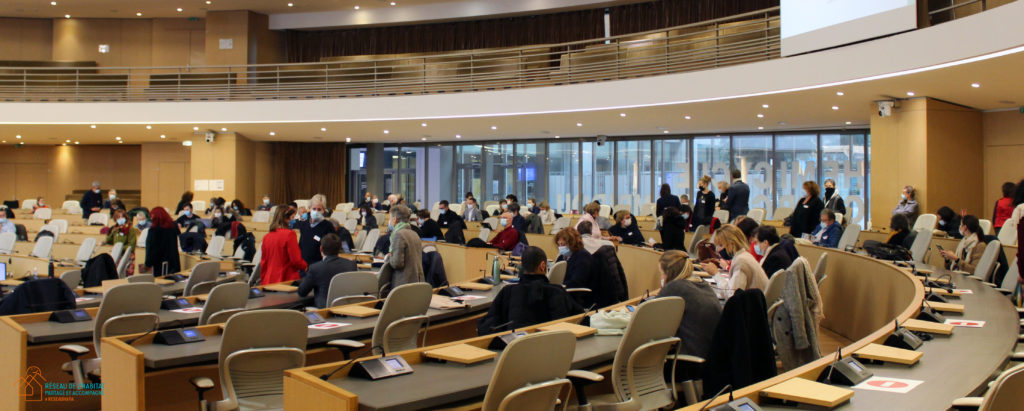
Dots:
{"x": 698, "y": 235}
{"x": 398, "y": 323}
{"x": 52, "y": 228}
{"x": 721, "y": 215}
{"x": 757, "y": 214}
{"x": 201, "y": 273}
{"x": 820, "y": 269}
{"x": 986, "y": 226}
{"x": 61, "y": 224}
{"x": 261, "y": 217}
{"x": 839, "y": 218}
{"x": 85, "y": 251}
{"x": 141, "y": 241}
{"x": 216, "y": 247}
{"x": 493, "y": 222}
{"x": 1005, "y": 393}
{"x": 122, "y": 264}
{"x": 1008, "y": 233}
{"x": 70, "y": 205}
{"x": 224, "y": 301}
{"x": 850, "y": 236}
{"x": 7, "y": 242}
{"x": 141, "y": 278}
{"x": 919, "y": 248}
{"x": 988, "y": 264}
{"x": 43, "y": 247}
{"x": 359, "y": 240}
{"x": 773, "y": 291}
{"x": 352, "y": 287}
{"x": 115, "y": 251}
{"x": 351, "y": 225}
{"x": 99, "y": 218}
{"x": 1010, "y": 279}
{"x": 925, "y": 222}
{"x": 370, "y": 241}
{"x": 256, "y": 348}
{"x": 560, "y": 224}
{"x": 530, "y": 374}
{"x": 28, "y": 204}
{"x": 557, "y": 273}
{"x": 781, "y": 213}
{"x": 485, "y": 234}
{"x": 72, "y": 278}
{"x": 125, "y": 309}
{"x": 638, "y": 368}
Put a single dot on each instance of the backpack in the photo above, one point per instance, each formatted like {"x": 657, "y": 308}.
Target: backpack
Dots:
{"x": 44, "y": 233}
{"x": 99, "y": 268}
{"x": 887, "y": 252}
{"x": 248, "y": 243}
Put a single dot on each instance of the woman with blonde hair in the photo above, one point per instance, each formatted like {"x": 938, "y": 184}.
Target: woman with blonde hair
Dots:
{"x": 702, "y": 308}
{"x": 743, "y": 270}
{"x": 547, "y": 215}
{"x": 703, "y": 202}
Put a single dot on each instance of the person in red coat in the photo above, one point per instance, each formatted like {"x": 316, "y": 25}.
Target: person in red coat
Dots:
{"x": 508, "y": 237}
{"x": 282, "y": 259}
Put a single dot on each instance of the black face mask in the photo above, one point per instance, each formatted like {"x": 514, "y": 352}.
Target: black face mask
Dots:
{"x": 829, "y": 191}
{"x": 725, "y": 254}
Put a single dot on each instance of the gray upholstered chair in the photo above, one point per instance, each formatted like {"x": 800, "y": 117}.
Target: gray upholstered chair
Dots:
{"x": 1005, "y": 393}
{"x": 530, "y": 375}
{"x": 352, "y": 287}
{"x": 72, "y": 278}
{"x": 201, "y": 273}
{"x": 224, "y": 301}
{"x": 398, "y": 323}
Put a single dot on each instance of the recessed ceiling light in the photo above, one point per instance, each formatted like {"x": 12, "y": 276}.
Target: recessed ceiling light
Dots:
{"x": 53, "y": 3}
{"x": 187, "y": 143}
{"x": 760, "y": 127}
{"x": 394, "y": 4}
{"x": 687, "y": 117}
{"x": 195, "y": 128}
{"x": 163, "y": 136}
{"x": 67, "y": 16}
{"x": 423, "y": 139}
{"x": 139, "y": 14}
{"x": 63, "y": 144}
{"x": 149, "y": 127}
{"x": 290, "y": 4}
{"x": 386, "y": 131}
{"x": 423, "y": 124}
{"x": 18, "y": 136}
{"x": 356, "y": 7}
{"x": 910, "y": 93}
{"x": 622, "y": 114}
{"x": 558, "y": 136}
{"x": 76, "y": 142}
{"x": 179, "y": 9}
{"x": 494, "y": 127}
{"x": 759, "y": 115}
{"x": 764, "y": 106}
{"x": 92, "y": 126}
{"x": 849, "y": 122}
{"x": 975, "y": 85}
{"x": 835, "y": 107}
{"x": 272, "y": 133}
{"x": 209, "y": 2}
{"x": 223, "y": 129}
{"x": 579, "y": 124}
{"x": 348, "y": 139}
{"x": 839, "y": 93}
{"x": 120, "y": 142}
{"x": 666, "y": 131}
{"x": 323, "y": 128}
{"x": 118, "y": 138}
{"x": 67, "y": 141}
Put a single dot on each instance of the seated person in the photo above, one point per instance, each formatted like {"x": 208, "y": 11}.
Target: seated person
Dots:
{"x": 547, "y": 215}
{"x": 6, "y": 225}
{"x": 502, "y": 208}
{"x": 471, "y": 211}
{"x": 747, "y": 226}
{"x": 508, "y": 237}
{"x": 578, "y": 260}
{"x": 220, "y": 218}
{"x": 428, "y": 228}
{"x": 767, "y": 243}
{"x": 187, "y": 216}
{"x": 265, "y": 205}
{"x": 318, "y": 277}
{"x": 702, "y": 307}
{"x": 446, "y": 215}
{"x": 969, "y": 250}
{"x": 366, "y": 218}
{"x": 39, "y": 204}
{"x": 744, "y": 273}
{"x": 518, "y": 221}
{"x": 590, "y": 243}
{"x": 626, "y": 229}
{"x": 827, "y": 233}
{"x": 687, "y": 214}
{"x": 113, "y": 202}
{"x": 531, "y": 206}
{"x": 532, "y": 301}
{"x": 900, "y": 227}
{"x": 949, "y": 222}
{"x": 237, "y": 208}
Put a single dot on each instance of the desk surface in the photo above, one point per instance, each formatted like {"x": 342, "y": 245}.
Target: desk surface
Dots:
{"x": 421, "y": 390}
{"x": 48, "y": 332}
{"x": 159, "y": 356}
{"x": 952, "y": 366}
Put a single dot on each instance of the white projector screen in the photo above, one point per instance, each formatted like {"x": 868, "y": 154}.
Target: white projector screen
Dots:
{"x": 809, "y": 25}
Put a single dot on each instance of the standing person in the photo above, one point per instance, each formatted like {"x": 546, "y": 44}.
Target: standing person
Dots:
{"x": 404, "y": 262}
{"x": 162, "y": 243}
{"x": 702, "y": 307}
{"x": 807, "y": 212}
{"x": 318, "y": 277}
{"x": 186, "y": 200}
{"x": 704, "y": 207}
{"x": 282, "y": 259}
{"x": 832, "y": 200}
{"x": 665, "y": 200}
{"x": 908, "y": 205}
{"x": 265, "y": 205}
{"x": 1004, "y": 206}
{"x": 472, "y": 211}
{"x": 738, "y": 200}
{"x": 744, "y": 271}
{"x": 673, "y": 228}
{"x": 723, "y": 189}
{"x": 92, "y": 201}
{"x": 313, "y": 229}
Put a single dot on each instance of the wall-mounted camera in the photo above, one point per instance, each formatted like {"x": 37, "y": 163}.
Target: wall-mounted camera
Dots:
{"x": 885, "y": 108}
{"x": 601, "y": 139}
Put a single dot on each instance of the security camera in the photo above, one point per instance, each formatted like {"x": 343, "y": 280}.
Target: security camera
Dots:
{"x": 210, "y": 135}
{"x": 601, "y": 139}
{"x": 885, "y": 108}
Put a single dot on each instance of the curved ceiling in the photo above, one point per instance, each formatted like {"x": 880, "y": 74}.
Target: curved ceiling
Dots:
{"x": 944, "y": 62}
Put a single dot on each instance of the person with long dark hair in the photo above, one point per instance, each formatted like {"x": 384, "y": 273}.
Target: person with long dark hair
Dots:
{"x": 807, "y": 212}
{"x": 665, "y": 200}
{"x": 1004, "y": 206}
{"x": 162, "y": 243}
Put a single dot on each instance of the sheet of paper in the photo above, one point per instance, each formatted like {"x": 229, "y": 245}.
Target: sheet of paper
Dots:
{"x": 887, "y": 384}
{"x": 188, "y": 310}
{"x": 202, "y": 185}
{"x": 327, "y": 326}
{"x": 467, "y": 297}
{"x": 965, "y": 323}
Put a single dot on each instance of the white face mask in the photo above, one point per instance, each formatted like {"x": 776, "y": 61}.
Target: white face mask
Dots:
{"x": 758, "y": 250}
{"x": 686, "y": 216}
{"x": 662, "y": 281}
{"x": 504, "y": 222}
{"x": 375, "y": 201}
{"x": 216, "y": 215}
{"x": 627, "y": 222}
{"x": 316, "y": 215}
{"x": 120, "y": 221}
{"x": 942, "y": 222}
{"x": 903, "y": 196}
{"x": 824, "y": 224}
{"x": 266, "y": 201}
{"x": 529, "y": 205}
{"x": 363, "y": 213}
{"x": 112, "y": 196}
{"x": 470, "y": 206}
{"x": 504, "y": 206}
{"x": 96, "y": 190}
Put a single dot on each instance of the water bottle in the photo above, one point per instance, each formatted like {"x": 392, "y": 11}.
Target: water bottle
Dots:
{"x": 496, "y": 269}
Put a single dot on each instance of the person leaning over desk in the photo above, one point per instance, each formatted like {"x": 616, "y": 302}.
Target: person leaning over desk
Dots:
{"x": 744, "y": 271}
{"x": 404, "y": 262}
{"x": 531, "y": 301}
{"x": 318, "y": 277}
{"x": 828, "y": 233}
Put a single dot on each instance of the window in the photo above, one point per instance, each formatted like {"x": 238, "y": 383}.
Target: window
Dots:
{"x": 468, "y": 171}
{"x": 796, "y": 161}
{"x": 563, "y": 177}
{"x": 843, "y": 160}
{"x": 499, "y": 171}
{"x": 711, "y": 158}
{"x": 633, "y": 172}
{"x": 672, "y": 167}
{"x": 598, "y": 180}
{"x": 439, "y": 175}
{"x": 530, "y": 169}
{"x": 411, "y": 184}
{"x": 752, "y": 155}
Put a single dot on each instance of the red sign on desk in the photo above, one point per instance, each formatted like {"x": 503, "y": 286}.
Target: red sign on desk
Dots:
{"x": 888, "y": 384}
{"x": 327, "y": 326}
{"x": 965, "y": 323}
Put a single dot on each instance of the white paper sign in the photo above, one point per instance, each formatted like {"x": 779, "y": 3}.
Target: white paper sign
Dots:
{"x": 965, "y": 323}
{"x": 226, "y": 44}
{"x": 216, "y": 185}
{"x": 202, "y": 185}
{"x": 887, "y": 384}
{"x": 188, "y": 310}
{"x": 327, "y": 326}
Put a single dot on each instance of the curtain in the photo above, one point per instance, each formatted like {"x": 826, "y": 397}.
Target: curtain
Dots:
{"x": 304, "y": 169}
{"x": 640, "y": 17}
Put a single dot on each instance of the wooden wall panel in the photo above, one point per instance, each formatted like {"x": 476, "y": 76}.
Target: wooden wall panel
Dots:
{"x": 26, "y": 39}
{"x": 178, "y": 42}
{"x": 896, "y": 146}
{"x": 1003, "y": 141}
{"x": 227, "y": 25}
{"x": 130, "y": 41}
{"x": 954, "y": 158}
{"x": 164, "y": 173}
{"x": 55, "y": 171}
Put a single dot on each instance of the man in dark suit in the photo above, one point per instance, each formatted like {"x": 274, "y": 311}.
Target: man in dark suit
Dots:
{"x": 318, "y": 276}
{"x": 446, "y": 215}
{"x": 314, "y": 229}
{"x": 737, "y": 197}
{"x": 532, "y": 301}
{"x": 92, "y": 201}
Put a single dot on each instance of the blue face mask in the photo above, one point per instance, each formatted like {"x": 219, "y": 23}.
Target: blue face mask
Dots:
{"x": 503, "y": 222}
{"x": 824, "y": 225}
{"x": 188, "y": 213}
{"x": 305, "y": 216}
{"x": 563, "y": 250}
{"x": 120, "y": 221}
{"x": 757, "y": 249}
{"x": 315, "y": 215}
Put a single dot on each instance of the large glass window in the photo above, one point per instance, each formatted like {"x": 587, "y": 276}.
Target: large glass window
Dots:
{"x": 633, "y": 172}
{"x": 468, "y": 171}
{"x": 357, "y": 185}
{"x": 530, "y": 169}
{"x": 711, "y": 158}
{"x": 411, "y": 184}
{"x": 563, "y": 176}
{"x": 440, "y": 163}
{"x": 796, "y": 161}
{"x": 672, "y": 166}
{"x": 752, "y": 155}
{"x": 843, "y": 160}
{"x": 598, "y": 180}
{"x": 500, "y": 173}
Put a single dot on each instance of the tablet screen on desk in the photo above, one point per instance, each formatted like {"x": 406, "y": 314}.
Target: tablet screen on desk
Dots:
{"x": 855, "y": 366}
{"x": 3, "y": 271}
{"x": 746, "y": 407}
{"x": 394, "y": 364}
{"x": 190, "y": 333}
{"x": 80, "y": 314}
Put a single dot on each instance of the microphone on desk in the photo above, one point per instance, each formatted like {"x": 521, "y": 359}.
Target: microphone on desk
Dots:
{"x": 176, "y": 323}
{"x": 351, "y": 362}
{"x": 586, "y": 314}
{"x": 718, "y": 394}
{"x": 500, "y": 327}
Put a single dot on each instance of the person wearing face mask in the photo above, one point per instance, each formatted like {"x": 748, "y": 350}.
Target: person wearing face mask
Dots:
{"x": 265, "y": 204}
{"x": 590, "y": 212}
{"x": 546, "y": 214}
{"x": 531, "y": 206}
{"x": 218, "y": 218}
{"x": 471, "y": 211}
{"x": 626, "y": 229}
{"x": 768, "y": 244}
{"x": 430, "y": 230}
{"x": 673, "y": 227}
{"x": 313, "y": 229}
{"x": 113, "y": 202}
{"x": 39, "y": 204}
{"x": 141, "y": 218}
{"x": 684, "y": 200}
{"x": 743, "y": 270}
{"x": 377, "y": 204}
{"x": 828, "y": 232}
{"x": 517, "y": 221}
{"x": 949, "y": 222}
{"x": 533, "y": 300}
{"x": 687, "y": 214}
{"x": 908, "y": 204}
{"x": 238, "y": 209}
{"x": 367, "y": 200}
{"x": 123, "y": 232}
{"x": 508, "y": 237}
{"x": 502, "y": 208}
{"x": 969, "y": 250}
{"x": 445, "y": 215}
{"x": 807, "y": 212}
{"x": 301, "y": 214}
{"x": 186, "y": 200}
{"x": 403, "y": 263}
{"x": 92, "y": 201}
{"x": 747, "y": 226}
{"x": 704, "y": 204}
{"x": 6, "y": 225}
{"x": 579, "y": 262}
{"x": 702, "y": 307}
{"x": 366, "y": 219}
{"x": 186, "y": 217}
{"x": 833, "y": 201}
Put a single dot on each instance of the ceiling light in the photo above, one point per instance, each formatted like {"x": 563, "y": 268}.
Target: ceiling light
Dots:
{"x": 764, "y": 106}
{"x": 494, "y": 127}
{"x": 975, "y": 85}
{"x": 910, "y": 93}
{"x": 394, "y": 4}
{"x": 356, "y": 7}
{"x": 839, "y": 93}
{"x": 272, "y": 133}
{"x": 579, "y": 124}
{"x": 760, "y": 127}
{"x": 290, "y": 4}
{"x": 209, "y": 2}
{"x": 63, "y": 144}
{"x": 18, "y": 136}
{"x": 53, "y": 3}
{"x": 849, "y": 122}
{"x": 195, "y": 128}
{"x": 92, "y": 126}
{"x": 118, "y": 138}
{"x": 76, "y": 142}
{"x": 759, "y": 115}
{"x": 323, "y": 128}
{"x": 687, "y": 117}
{"x": 67, "y": 16}
{"x": 423, "y": 124}
{"x": 163, "y": 136}
{"x": 386, "y": 131}
{"x": 458, "y": 136}
{"x": 423, "y": 139}
{"x": 558, "y": 136}
{"x": 139, "y": 14}
{"x": 666, "y": 131}
{"x": 835, "y": 107}
{"x": 622, "y": 114}
{"x": 223, "y": 129}
{"x": 67, "y": 141}
{"x": 348, "y": 139}
{"x": 179, "y": 10}
{"x": 187, "y": 143}
{"x": 148, "y": 127}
